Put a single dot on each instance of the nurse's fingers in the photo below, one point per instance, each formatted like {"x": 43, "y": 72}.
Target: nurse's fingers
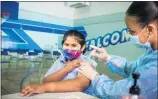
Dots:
{"x": 81, "y": 71}
{"x": 92, "y": 54}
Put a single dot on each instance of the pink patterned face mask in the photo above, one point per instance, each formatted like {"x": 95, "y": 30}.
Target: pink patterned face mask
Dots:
{"x": 71, "y": 54}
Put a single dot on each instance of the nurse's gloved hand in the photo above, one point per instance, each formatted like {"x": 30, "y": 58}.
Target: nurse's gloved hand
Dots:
{"x": 87, "y": 70}
{"x": 101, "y": 53}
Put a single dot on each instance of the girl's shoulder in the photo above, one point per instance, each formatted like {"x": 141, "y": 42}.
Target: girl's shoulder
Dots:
{"x": 60, "y": 59}
{"x": 88, "y": 59}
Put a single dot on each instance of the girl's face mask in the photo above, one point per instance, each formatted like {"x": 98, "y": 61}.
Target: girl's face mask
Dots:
{"x": 71, "y": 54}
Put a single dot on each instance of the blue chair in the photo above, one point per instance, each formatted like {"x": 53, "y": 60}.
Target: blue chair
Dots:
{"x": 22, "y": 58}
{"x": 13, "y": 56}
{"x": 34, "y": 62}
{"x": 13, "y": 53}
{"x": 31, "y": 77}
{"x": 24, "y": 78}
{"x": 47, "y": 59}
{"x": 4, "y": 91}
{"x": 56, "y": 54}
{"x": 5, "y": 61}
{"x": 4, "y": 52}
{"x": 40, "y": 54}
{"x": 46, "y": 52}
{"x": 38, "y": 51}
{"x": 22, "y": 52}
{"x": 13, "y": 68}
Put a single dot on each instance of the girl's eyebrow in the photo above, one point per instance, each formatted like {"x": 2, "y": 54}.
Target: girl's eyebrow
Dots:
{"x": 74, "y": 44}
{"x": 71, "y": 44}
{"x": 66, "y": 43}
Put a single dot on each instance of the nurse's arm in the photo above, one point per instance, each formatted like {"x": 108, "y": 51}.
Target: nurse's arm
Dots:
{"x": 121, "y": 66}
{"x": 104, "y": 87}
{"x": 78, "y": 84}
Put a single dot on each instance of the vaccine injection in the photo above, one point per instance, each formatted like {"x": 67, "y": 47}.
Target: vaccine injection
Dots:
{"x": 90, "y": 58}
{"x": 94, "y": 47}
{"x": 90, "y": 55}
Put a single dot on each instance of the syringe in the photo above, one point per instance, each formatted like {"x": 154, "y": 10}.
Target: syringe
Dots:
{"x": 94, "y": 47}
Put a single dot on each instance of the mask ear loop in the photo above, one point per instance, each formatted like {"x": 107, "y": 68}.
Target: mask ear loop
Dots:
{"x": 149, "y": 37}
{"x": 142, "y": 30}
{"x": 149, "y": 34}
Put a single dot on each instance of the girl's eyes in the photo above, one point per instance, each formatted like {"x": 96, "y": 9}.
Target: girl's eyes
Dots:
{"x": 66, "y": 44}
{"x": 73, "y": 45}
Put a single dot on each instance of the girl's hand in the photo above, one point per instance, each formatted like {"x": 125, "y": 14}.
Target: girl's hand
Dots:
{"x": 28, "y": 90}
{"x": 74, "y": 64}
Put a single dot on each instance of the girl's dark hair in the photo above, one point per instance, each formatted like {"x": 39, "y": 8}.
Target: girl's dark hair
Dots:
{"x": 145, "y": 11}
{"x": 81, "y": 39}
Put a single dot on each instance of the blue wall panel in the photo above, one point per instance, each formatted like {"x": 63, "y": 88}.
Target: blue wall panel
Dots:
{"x": 15, "y": 31}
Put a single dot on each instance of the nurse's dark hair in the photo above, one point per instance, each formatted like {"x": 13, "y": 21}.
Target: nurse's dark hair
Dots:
{"x": 81, "y": 39}
{"x": 145, "y": 11}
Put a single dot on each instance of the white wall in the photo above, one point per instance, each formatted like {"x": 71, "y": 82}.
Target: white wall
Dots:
{"x": 100, "y": 8}
{"x": 57, "y": 9}
{"x": 46, "y": 41}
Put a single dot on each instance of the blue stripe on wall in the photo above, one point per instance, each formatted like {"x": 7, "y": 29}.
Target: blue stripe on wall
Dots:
{"x": 20, "y": 25}
{"x": 31, "y": 44}
{"x": 28, "y": 22}
{"x": 39, "y": 26}
{"x": 33, "y": 28}
{"x": 59, "y": 31}
{"x": 5, "y": 38}
{"x": 10, "y": 25}
{"x": 12, "y": 36}
{"x": 79, "y": 28}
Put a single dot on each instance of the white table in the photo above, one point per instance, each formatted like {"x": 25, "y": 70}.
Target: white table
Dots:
{"x": 67, "y": 95}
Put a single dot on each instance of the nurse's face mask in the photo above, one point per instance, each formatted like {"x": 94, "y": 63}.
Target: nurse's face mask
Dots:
{"x": 137, "y": 40}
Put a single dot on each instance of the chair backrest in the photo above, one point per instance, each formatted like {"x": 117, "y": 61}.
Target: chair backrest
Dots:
{"x": 4, "y": 52}
{"x": 12, "y": 50}
{"x": 32, "y": 53}
{"x": 46, "y": 52}
{"x": 22, "y": 51}
{"x": 24, "y": 79}
{"x": 33, "y": 76}
{"x": 56, "y": 53}
{"x": 38, "y": 51}
{"x": 13, "y": 53}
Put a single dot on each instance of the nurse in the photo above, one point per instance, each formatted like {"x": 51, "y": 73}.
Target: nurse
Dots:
{"x": 142, "y": 20}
